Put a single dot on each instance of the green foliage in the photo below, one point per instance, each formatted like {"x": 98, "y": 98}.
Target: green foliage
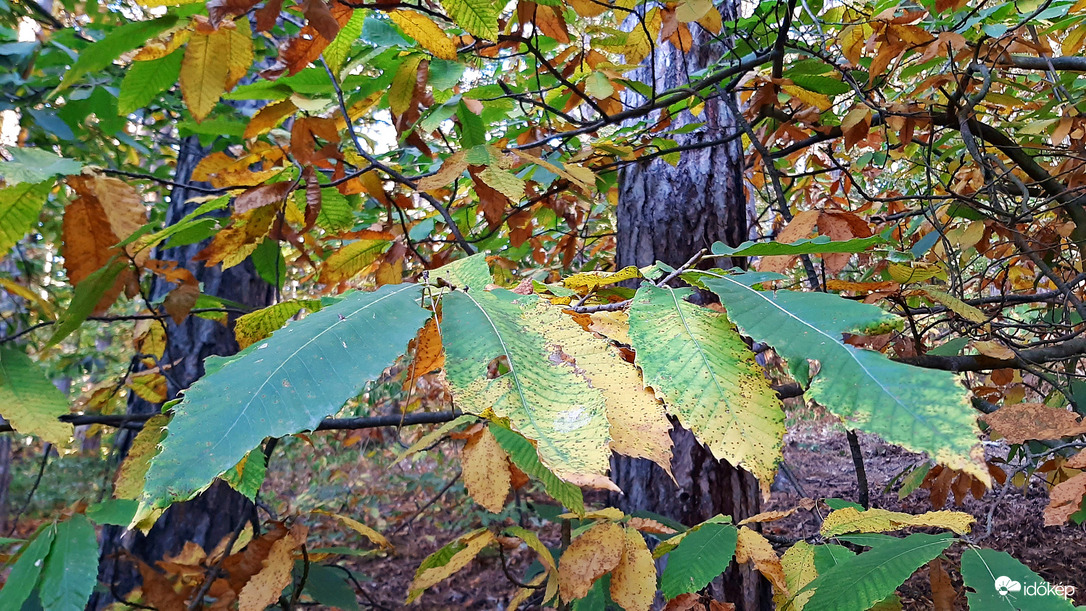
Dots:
{"x": 31, "y": 402}
{"x": 26, "y": 570}
{"x": 271, "y": 390}
{"x": 87, "y": 295}
{"x": 540, "y": 394}
{"x": 524, "y": 456}
{"x": 864, "y": 579}
{"x": 698, "y": 364}
{"x": 31, "y": 165}
{"x": 919, "y": 409}
{"x": 816, "y": 245}
{"x": 59, "y": 564}
{"x": 20, "y": 205}
{"x": 704, "y": 552}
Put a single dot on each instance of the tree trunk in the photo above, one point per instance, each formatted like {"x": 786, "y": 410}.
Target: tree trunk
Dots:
{"x": 215, "y": 513}
{"x": 668, "y": 214}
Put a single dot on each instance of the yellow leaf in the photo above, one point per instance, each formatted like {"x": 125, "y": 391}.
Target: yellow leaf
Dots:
{"x": 163, "y": 45}
{"x": 818, "y": 100}
{"x": 958, "y": 306}
{"x": 149, "y": 386}
{"x": 255, "y": 326}
{"x": 470, "y": 545}
{"x": 348, "y": 261}
{"x": 589, "y": 557}
{"x": 23, "y": 292}
{"x": 264, "y": 588}
{"x": 125, "y": 211}
{"x": 753, "y": 547}
{"x": 852, "y": 520}
{"x": 375, "y": 537}
{"x": 128, "y": 483}
{"x": 612, "y": 325}
{"x": 239, "y": 56}
{"x": 692, "y": 10}
{"x": 426, "y": 32}
{"x": 150, "y": 338}
{"x": 590, "y": 281}
{"x": 486, "y": 471}
{"x": 523, "y": 594}
{"x": 234, "y": 244}
{"x": 205, "y": 70}
{"x": 451, "y": 169}
{"x": 633, "y": 581}
{"x": 404, "y": 82}
{"x": 799, "y": 570}
{"x": 994, "y": 349}
{"x": 371, "y": 182}
{"x": 268, "y": 117}
{"x": 506, "y": 183}
{"x": 917, "y": 272}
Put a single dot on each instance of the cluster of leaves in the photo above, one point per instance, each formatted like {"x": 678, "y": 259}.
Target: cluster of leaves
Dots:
{"x": 947, "y": 190}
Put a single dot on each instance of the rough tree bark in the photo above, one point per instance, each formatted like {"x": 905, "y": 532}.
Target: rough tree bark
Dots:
{"x": 215, "y": 514}
{"x": 668, "y": 213}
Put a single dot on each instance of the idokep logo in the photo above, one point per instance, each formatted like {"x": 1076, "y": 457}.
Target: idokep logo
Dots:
{"x": 1005, "y": 586}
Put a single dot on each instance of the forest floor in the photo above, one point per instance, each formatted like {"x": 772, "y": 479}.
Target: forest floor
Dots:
{"x": 421, "y": 504}
{"x": 817, "y": 454}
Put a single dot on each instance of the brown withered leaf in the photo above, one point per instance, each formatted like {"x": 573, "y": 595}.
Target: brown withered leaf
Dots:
{"x": 240, "y": 567}
{"x": 428, "y": 351}
{"x": 170, "y": 271}
{"x": 89, "y": 245}
{"x": 264, "y": 195}
{"x": 158, "y": 591}
{"x": 233, "y": 244}
{"x": 492, "y": 203}
{"x": 1065, "y": 500}
{"x": 799, "y": 228}
{"x": 308, "y": 45}
{"x": 942, "y": 590}
{"x": 124, "y": 209}
{"x": 217, "y": 10}
{"x": 268, "y": 14}
{"x": 179, "y": 302}
{"x": 320, "y": 17}
{"x": 275, "y": 574}
{"x": 1021, "y": 422}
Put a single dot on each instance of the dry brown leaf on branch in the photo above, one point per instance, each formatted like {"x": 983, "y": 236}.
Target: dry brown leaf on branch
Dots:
{"x": 275, "y": 573}
{"x": 799, "y": 228}
{"x": 1022, "y": 422}
{"x": 1065, "y": 500}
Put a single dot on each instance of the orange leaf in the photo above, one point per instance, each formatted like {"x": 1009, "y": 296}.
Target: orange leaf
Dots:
{"x": 269, "y": 116}
{"x": 307, "y": 46}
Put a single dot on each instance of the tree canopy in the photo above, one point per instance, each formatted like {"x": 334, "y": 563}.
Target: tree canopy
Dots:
{"x": 431, "y": 189}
